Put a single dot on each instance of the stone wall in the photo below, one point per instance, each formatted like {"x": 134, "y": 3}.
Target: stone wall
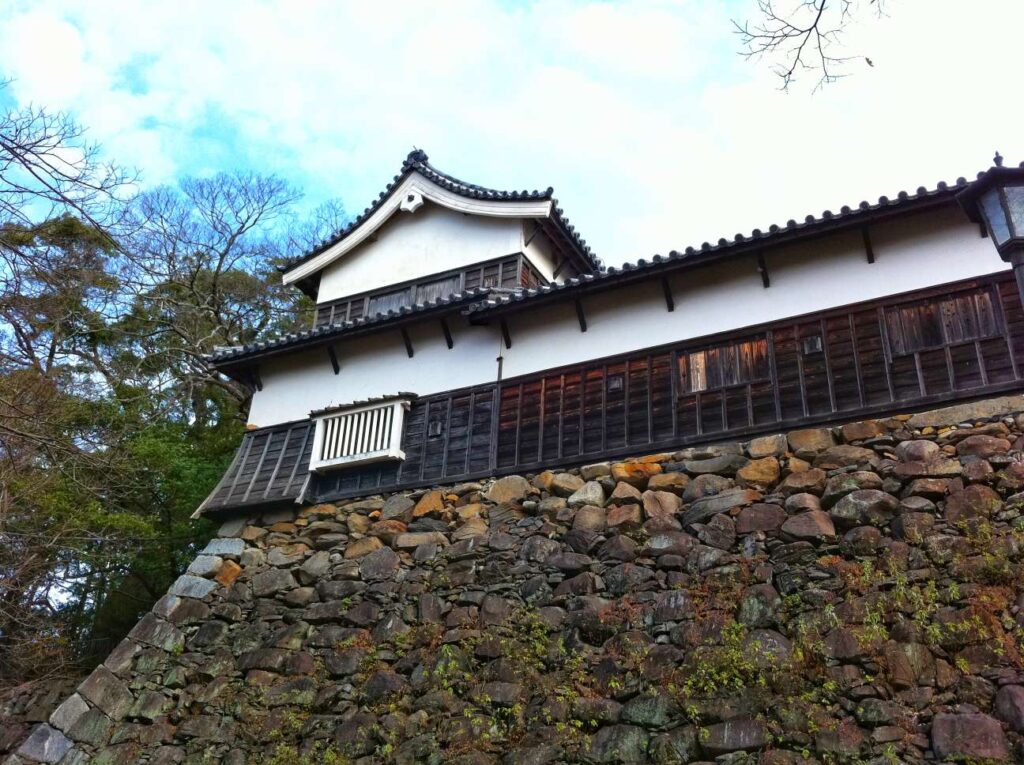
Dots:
{"x": 23, "y": 706}
{"x": 844, "y": 595}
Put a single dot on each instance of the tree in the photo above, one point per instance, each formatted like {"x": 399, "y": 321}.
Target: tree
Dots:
{"x": 112, "y": 427}
{"x": 202, "y": 274}
{"x": 802, "y": 38}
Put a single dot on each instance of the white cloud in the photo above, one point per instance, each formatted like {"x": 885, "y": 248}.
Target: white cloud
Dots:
{"x": 653, "y": 131}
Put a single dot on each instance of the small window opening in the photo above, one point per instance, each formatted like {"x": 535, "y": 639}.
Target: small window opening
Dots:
{"x": 812, "y": 345}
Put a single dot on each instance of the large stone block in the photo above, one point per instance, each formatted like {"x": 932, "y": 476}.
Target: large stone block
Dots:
{"x": 45, "y": 744}
{"x": 975, "y": 410}
{"x": 734, "y": 736}
{"x": 68, "y": 712}
{"x": 974, "y": 737}
{"x": 270, "y": 582}
{"x": 188, "y": 586}
{"x": 108, "y": 693}
{"x": 224, "y": 547}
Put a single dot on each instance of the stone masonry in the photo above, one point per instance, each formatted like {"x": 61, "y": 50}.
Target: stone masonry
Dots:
{"x": 844, "y": 595}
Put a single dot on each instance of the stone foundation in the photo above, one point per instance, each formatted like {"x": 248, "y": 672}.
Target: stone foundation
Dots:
{"x": 834, "y": 595}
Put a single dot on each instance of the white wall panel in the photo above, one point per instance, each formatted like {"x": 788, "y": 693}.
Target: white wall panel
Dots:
{"x": 913, "y": 254}
{"x": 411, "y": 245}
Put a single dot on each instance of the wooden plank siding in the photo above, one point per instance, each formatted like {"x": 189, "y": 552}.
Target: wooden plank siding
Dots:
{"x": 269, "y": 467}
{"x": 836, "y": 365}
{"x": 958, "y": 341}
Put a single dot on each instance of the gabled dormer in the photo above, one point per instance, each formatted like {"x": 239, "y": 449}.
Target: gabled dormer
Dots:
{"x": 429, "y": 236}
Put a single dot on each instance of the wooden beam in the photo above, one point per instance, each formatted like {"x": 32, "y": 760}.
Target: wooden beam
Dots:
{"x": 505, "y": 333}
{"x": 762, "y": 267}
{"x": 257, "y": 381}
{"x": 581, "y": 316}
{"x": 869, "y": 250}
{"x": 559, "y": 267}
{"x": 983, "y": 231}
{"x": 333, "y": 356}
{"x": 670, "y": 302}
{"x": 447, "y": 333}
{"x": 408, "y": 342}
{"x": 530, "y": 238}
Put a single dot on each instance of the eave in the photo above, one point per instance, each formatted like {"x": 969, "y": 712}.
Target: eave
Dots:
{"x": 419, "y": 177}
{"x": 758, "y": 242}
{"x": 235, "y": 360}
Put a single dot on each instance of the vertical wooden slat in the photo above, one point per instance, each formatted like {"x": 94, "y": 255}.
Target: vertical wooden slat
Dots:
{"x": 423, "y": 446}
{"x": 540, "y": 418}
{"x": 469, "y": 430}
{"x": 856, "y": 358}
{"x": 886, "y": 353}
{"x": 241, "y": 465}
{"x": 277, "y": 465}
{"x": 298, "y": 460}
{"x": 920, "y": 375}
{"x": 446, "y": 437}
{"x": 650, "y": 399}
{"x": 982, "y": 367}
{"x": 495, "y": 426}
{"x": 949, "y": 369}
{"x": 798, "y": 346}
{"x": 583, "y": 399}
{"x": 823, "y": 328}
{"x": 625, "y": 403}
{"x": 604, "y": 406}
{"x": 773, "y": 374}
{"x": 673, "y": 379}
{"x": 519, "y": 420}
{"x": 1002, "y": 319}
{"x": 561, "y": 412}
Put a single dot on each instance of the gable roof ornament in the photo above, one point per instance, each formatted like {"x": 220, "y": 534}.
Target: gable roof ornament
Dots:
{"x": 418, "y": 182}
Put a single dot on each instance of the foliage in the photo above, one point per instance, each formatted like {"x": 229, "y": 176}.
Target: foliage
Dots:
{"x": 112, "y": 426}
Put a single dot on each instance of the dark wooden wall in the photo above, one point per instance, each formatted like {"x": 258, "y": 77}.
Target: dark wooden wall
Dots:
{"x": 958, "y": 341}
{"x": 269, "y": 468}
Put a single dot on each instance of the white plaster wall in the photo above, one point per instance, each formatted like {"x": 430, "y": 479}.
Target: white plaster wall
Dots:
{"x": 540, "y": 251}
{"x": 412, "y": 245}
{"x": 373, "y": 366}
{"x": 913, "y": 254}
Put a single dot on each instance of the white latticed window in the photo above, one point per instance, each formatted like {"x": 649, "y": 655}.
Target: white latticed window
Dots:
{"x": 358, "y": 434}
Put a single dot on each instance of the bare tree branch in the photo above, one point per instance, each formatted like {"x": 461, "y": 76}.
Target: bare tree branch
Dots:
{"x": 803, "y": 38}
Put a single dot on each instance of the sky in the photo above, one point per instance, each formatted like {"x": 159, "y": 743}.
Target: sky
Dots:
{"x": 653, "y": 131}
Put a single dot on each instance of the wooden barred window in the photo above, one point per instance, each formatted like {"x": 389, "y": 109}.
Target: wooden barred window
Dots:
{"x": 358, "y": 435}
{"x": 437, "y": 289}
{"x": 736, "y": 363}
{"x": 507, "y": 273}
{"x": 958, "y": 318}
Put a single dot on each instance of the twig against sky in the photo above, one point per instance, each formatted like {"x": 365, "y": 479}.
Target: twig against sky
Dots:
{"x": 803, "y": 38}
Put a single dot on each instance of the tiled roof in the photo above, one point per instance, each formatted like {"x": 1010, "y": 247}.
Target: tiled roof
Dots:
{"x": 417, "y": 161}
{"x": 863, "y": 213}
{"x": 477, "y": 301}
{"x": 400, "y": 396}
{"x": 224, "y": 354}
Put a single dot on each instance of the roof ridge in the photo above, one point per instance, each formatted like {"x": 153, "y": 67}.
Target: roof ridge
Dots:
{"x": 417, "y": 160}
{"x": 846, "y": 212}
